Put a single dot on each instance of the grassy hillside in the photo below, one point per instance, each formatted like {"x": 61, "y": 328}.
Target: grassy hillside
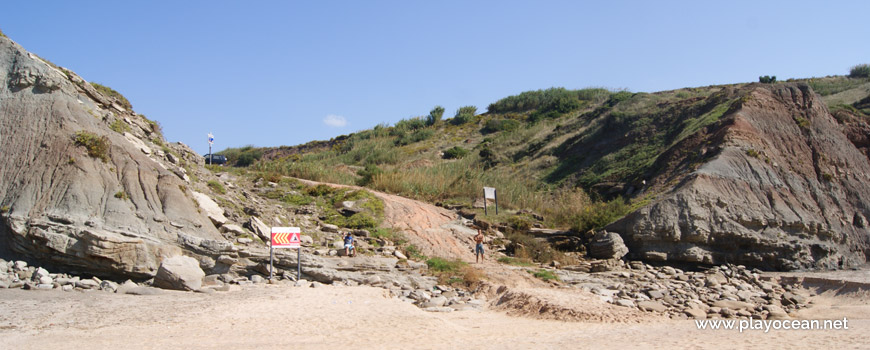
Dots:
{"x": 579, "y": 158}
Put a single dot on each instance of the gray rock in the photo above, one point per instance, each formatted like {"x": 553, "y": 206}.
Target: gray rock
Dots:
{"x": 233, "y": 229}
{"x": 87, "y": 284}
{"x": 210, "y": 207}
{"x": 697, "y": 314}
{"x": 734, "y": 305}
{"x": 607, "y": 245}
{"x": 655, "y": 294}
{"x": 399, "y": 255}
{"x": 329, "y": 228}
{"x": 67, "y": 287}
{"x": 434, "y": 302}
{"x": 45, "y": 280}
{"x": 109, "y": 286}
{"x": 624, "y": 302}
{"x": 260, "y": 229}
{"x": 302, "y": 283}
{"x": 655, "y": 306}
{"x": 438, "y": 309}
{"x": 257, "y": 279}
{"x": 179, "y": 273}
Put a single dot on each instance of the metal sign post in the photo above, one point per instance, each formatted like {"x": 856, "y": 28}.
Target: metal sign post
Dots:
{"x": 286, "y": 237}
{"x": 210, "y": 142}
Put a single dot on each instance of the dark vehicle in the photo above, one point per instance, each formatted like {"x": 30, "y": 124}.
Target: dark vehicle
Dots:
{"x": 216, "y": 159}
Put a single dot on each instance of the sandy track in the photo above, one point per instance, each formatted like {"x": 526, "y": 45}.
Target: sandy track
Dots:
{"x": 426, "y": 226}
{"x": 281, "y": 317}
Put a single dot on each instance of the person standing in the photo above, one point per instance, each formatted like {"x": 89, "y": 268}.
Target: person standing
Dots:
{"x": 478, "y": 247}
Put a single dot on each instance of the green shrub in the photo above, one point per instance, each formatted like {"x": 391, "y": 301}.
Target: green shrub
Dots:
{"x": 599, "y": 214}
{"x": 243, "y": 156}
{"x": 121, "y": 195}
{"x": 767, "y": 79}
{"x": 752, "y": 153}
{"x": 496, "y": 125}
{"x": 860, "y": 71}
{"x": 618, "y": 97}
{"x": 444, "y": 265}
{"x": 455, "y": 153}
{"x": 434, "y": 115}
{"x": 545, "y": 275}
{"x": 2, "y": 35}
{"x": 105, "y": 90}
{"x": 320, "y": 190}
{"x": 97, "y": 146}
{"x": 519, "y": 223}
{"x": 514, "y": 261}
{"x": 464, "y": 115}
{"x": 413, "y": 137}
{"x": 5, "y": 209}
{"x": 385, "y": 233}
{"x": 119, "y": 126}
{"x": 217, "y": 186}
{"x": 367, "y": 174}
{"x": 409, "y": 124}
{"x": 560, "y": 100}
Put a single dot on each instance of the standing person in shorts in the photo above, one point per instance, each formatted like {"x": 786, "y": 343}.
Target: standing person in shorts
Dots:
{"x": 478, "y": 247}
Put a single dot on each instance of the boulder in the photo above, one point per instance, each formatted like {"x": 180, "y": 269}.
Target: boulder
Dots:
{"x": 210, "y": 207}
{"x": 607, "y": 245}
{"x": 233, "y": 229}
{"x": 179, "y": 273}
{"x": 261, "y": 229}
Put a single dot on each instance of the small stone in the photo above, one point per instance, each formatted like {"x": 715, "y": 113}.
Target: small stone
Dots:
{"x": 655, "y": 294}
{"x": 697, "y": 314}
{"x": 257, "y": 279}
{"x": 67, "y": 287}
{"x": 109, "y": 286}
{"x": 625, "y": 303}
{"x": 87, "y": 284}
{"x": 652, "y": 306}
{"x": 399, "y": 255}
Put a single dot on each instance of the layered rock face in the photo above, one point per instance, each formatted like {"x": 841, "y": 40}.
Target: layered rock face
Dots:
{"x": 782, "y": 187}
{"x": 119, "y": 215}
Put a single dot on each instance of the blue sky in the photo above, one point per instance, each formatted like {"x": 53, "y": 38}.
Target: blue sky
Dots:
{"x": 272, "y": 73}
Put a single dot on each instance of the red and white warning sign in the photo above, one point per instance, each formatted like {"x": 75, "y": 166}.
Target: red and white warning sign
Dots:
{"x": 286, "y": 237}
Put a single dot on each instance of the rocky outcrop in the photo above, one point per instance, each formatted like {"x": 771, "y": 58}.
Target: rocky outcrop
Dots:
{"x": 116, "y": 208}
{"x": 780, "y": 187}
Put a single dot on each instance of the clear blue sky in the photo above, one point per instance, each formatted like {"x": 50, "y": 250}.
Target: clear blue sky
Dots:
{"x": 272, "y": 73}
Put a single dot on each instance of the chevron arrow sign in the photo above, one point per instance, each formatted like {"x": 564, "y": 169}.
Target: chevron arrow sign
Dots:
{"x": 286, "y": 237}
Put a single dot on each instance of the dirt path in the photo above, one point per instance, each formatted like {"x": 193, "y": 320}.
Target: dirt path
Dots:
{"x": 433, "y": 230}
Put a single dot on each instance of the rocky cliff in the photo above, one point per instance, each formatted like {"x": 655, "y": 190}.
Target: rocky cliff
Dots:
{"x": 775, "y": 183}
{"x": 86, "y": 184}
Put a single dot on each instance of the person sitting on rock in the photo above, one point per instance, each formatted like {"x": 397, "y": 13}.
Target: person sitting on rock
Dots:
{"x": 349, "y": 249}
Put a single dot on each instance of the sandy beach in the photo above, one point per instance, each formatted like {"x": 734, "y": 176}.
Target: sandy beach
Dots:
{"x": 330, "y": 317}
